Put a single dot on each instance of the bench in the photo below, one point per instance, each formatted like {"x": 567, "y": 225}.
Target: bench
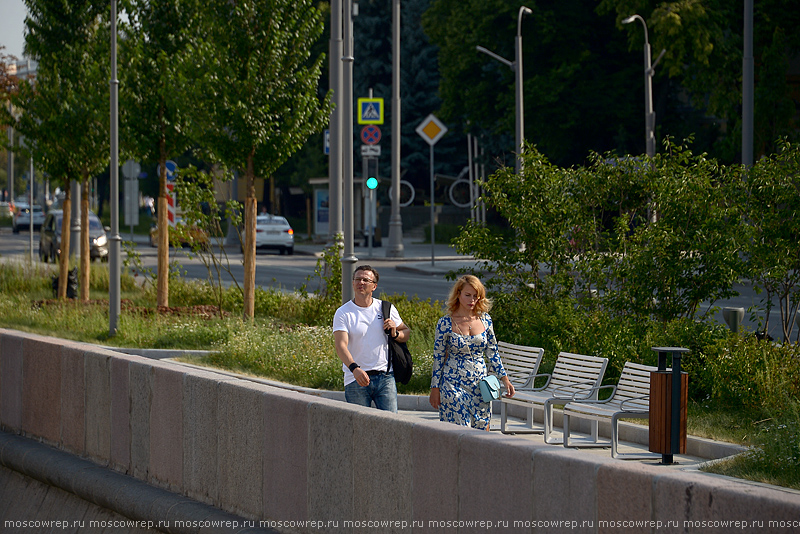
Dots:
{"x": 630, "y": 398}
{"x": 521, "y": 363}
{"x": 572, "y": 374}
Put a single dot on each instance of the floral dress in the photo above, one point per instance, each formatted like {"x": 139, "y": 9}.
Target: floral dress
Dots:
{"x": 457, "y": 375}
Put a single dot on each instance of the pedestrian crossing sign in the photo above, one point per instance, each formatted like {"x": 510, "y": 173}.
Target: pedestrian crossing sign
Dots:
{"x": 370, "y": 111}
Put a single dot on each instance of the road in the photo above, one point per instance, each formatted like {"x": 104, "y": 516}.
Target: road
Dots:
{"x": 412, "y": 276}
{"x": 273, "y": 270}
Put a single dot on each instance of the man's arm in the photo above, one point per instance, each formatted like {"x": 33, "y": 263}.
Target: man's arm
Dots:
{"x": 403, "y": 333}
{"x": 399, "y": 333}
{"x": 340, "y": 340}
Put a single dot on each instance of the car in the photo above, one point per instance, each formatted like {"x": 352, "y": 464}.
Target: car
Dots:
{"x": 193, "y": 234}
{"x": 274, "y": 232}
{"x": 50, "y": 238}
{"x": 22, "y": 217}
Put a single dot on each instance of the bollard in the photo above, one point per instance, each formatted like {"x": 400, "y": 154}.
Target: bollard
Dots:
{"x": 733, "y": 317}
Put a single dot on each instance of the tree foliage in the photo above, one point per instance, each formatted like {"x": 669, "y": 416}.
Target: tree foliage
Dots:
{"x": 704, "y": 44}
{"x": 582, "y": 69}
{"x": 773, "y": 231}
{"x": 257, "y": 96}
{"x": 582, "y": 88}
{"x": 64, "y": 112}
{"x": 650, "y": 238}
{"x": 155, "y": 107}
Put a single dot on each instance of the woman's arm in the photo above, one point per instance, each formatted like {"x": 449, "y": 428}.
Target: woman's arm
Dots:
{"x": 495, "y": 363}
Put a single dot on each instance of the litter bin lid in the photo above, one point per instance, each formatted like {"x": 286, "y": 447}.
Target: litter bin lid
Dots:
{"x": 670, "y": 349}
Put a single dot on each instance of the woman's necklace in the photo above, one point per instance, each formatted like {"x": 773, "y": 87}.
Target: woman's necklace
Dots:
{"x": 468, "y": 324}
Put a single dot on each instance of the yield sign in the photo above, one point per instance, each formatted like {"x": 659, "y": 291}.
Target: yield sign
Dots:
{"x": 431, "y": 129}
{"x": 371, "y": 135}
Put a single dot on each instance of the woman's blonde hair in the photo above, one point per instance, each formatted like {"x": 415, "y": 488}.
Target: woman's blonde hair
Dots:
{"x": 482, "y": 306}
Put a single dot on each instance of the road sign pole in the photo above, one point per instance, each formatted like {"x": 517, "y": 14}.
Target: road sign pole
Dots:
{"x": 433, "y": 214}
{"x": 431, "y": 130}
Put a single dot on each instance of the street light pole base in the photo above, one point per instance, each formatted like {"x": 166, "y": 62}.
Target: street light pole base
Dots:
{"x": 395, "y": 248}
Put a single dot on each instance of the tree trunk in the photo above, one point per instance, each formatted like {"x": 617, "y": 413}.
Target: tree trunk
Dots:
{"x": 63, "y": 258}
{"x": 250, "y": 241}
{"x": 162, "y": 291}
{"x": 85, "y": 255}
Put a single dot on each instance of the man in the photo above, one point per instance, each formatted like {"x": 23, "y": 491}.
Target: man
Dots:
{"x": 361, "y": 344}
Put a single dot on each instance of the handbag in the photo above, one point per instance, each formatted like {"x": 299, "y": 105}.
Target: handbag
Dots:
{"x": 490, "y": 388}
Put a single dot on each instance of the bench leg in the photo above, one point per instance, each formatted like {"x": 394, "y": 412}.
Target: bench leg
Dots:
{"x": 615, "y": 438}
{"x": 504, "y": 422}
{"x": 548, "y": 424}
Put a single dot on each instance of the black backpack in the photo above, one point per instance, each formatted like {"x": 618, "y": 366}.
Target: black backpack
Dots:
{"x": 399, "y": 357}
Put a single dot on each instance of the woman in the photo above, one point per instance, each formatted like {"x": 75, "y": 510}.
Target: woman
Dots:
{"x": 463, "y": 337}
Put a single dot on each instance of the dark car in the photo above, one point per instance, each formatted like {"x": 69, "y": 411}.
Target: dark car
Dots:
{"x": 50, "y": 238}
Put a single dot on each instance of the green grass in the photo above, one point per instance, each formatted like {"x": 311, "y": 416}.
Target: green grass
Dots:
{"x": 290, "y": 341}
{"x": 774, "y": 457}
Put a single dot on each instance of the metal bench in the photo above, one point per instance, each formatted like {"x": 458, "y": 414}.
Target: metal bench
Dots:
{"x": 521, "y": 363}
{"x": 572, "y": 374}
{"x": 630, "y": 398}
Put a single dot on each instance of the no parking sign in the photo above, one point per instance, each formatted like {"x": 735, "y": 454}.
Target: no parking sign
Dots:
{"x": 370, "y": 135}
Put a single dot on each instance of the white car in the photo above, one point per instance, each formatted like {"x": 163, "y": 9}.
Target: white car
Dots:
{"x": 274, "y": 232}
{"x": 22, "y": 217}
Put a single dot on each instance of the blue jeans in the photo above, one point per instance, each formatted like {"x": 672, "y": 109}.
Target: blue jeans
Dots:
{"x": 382, "y": 389}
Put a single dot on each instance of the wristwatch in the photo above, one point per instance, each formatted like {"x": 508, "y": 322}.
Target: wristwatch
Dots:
{"x": 353, "y": 366}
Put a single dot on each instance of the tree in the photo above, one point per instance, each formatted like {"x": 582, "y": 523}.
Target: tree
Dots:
{"x": 65, "y": 112}
{"x": 155, "y": 107}
{"x": 703, "y": 40}
{"x": 258, "y": 93}
{"x": 588, "y": 231}
{"x": 772, "y": 248}
{"x": 581, "y": 86}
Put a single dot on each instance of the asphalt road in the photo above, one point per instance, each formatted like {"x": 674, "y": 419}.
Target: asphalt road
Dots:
{"x": 273, "y": 270}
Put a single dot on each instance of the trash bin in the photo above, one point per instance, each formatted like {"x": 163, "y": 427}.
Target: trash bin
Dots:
{"x": 72, "y": 284}
{"x": 669, "y": 393}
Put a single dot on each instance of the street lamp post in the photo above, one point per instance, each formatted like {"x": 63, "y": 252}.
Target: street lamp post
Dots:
{"x": 349, "y": 258}
{"x": 516, "y": 66}
{"x": 115, "y": 239}
{"x": 520, "y": 130}
{"x": 649, "y": 114}
{"x": 395, "y": 248}
{"x": 747, "y": 86}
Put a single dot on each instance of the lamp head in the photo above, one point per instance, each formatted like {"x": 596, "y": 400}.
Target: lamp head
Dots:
{"x": 629, "y": 19}
{"x": 526, "y": 10}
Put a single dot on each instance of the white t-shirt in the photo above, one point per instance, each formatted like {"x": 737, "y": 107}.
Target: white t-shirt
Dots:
{"x": 367, "y": 342}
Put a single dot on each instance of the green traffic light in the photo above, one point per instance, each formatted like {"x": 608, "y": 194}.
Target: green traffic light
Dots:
{"x": 372, "y": 182}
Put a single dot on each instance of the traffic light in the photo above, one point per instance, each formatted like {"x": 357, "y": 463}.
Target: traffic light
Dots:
{"x": 372, "y": 182}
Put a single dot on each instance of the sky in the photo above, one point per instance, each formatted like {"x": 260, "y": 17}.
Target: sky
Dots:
{"x": 12, "y": 25}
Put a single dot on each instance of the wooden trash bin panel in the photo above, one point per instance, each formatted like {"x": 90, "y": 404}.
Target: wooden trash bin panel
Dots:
{"x": 661, "y": 412}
